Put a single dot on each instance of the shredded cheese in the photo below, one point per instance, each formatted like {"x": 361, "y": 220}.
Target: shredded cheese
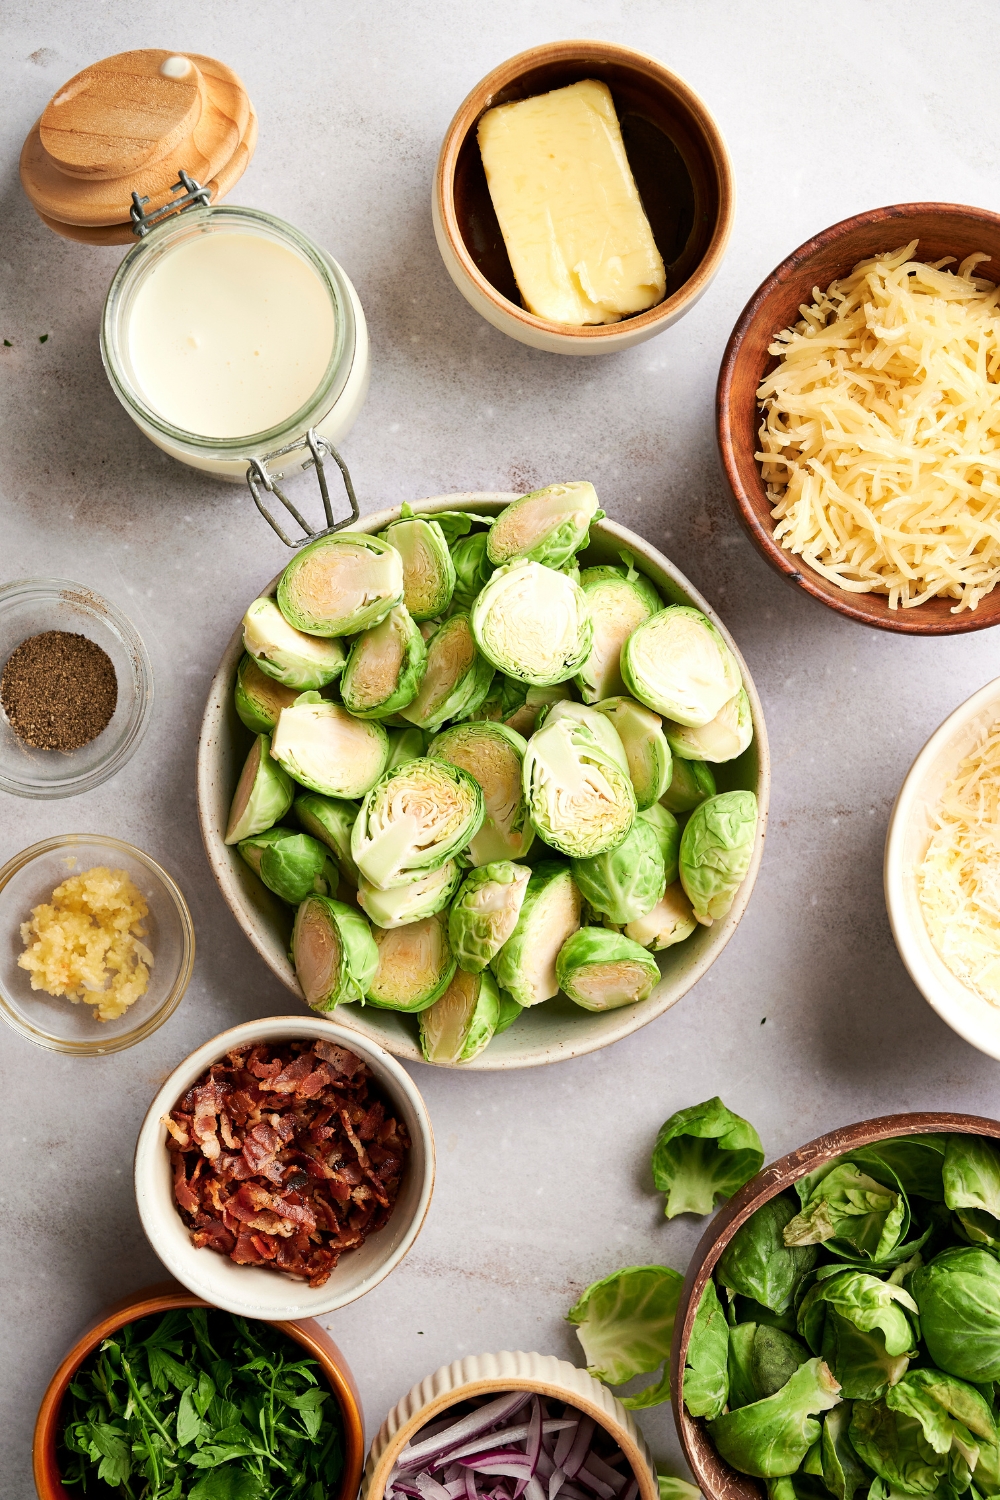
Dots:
{"x": 880, "y": 438}
{"x": 958, "y": 880}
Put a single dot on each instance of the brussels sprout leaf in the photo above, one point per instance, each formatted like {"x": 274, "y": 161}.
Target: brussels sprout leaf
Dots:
{"x": 706, "y": 1372}
{"x": 702, "y": 1154}
{"x": 758, "y": 1264}
{"x": 843, "y": 1472}
{"x": 971, "y": 1174}
{"x": 625, "y": 1323}
{"x": 770, "y": 1438}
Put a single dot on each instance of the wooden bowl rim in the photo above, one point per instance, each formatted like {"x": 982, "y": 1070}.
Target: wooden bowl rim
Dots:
{"x": 476, "y": 103}
{"x": 164, "y": 1297}
{"x": 768, "y": 1183}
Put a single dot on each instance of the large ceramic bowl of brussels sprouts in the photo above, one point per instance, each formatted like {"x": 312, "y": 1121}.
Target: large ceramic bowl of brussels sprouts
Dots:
{"x": 486, "y": 775}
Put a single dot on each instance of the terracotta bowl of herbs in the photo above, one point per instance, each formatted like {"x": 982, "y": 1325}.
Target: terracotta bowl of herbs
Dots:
{"x": 893, "y": 1222}
{"x": 185, "y": 1366}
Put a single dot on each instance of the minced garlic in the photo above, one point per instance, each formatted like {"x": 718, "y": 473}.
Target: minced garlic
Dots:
{"x": 84, "y": 943}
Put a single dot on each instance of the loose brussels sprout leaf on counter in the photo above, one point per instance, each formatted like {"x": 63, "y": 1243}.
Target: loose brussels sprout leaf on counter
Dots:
{"x": 625, "y": 1323}
{"x": 473, "y": 568}
{"x": 404, "y": 745}
{"x": 341, "y": 584}
{"x": 548, "y": 526}
{"x": 330, "y": 820}
{"x": 327, "y": 749}
{"x": 626, "y": 882}
{"x": 603, "y": 970}
{"x": 646, "y": 749}
{"x": 385, "y": 667}
{"x": 286, "y": 654}
{"x": 702, "y": 1154}
{"x": 865, "y": 1217}
{"x": 494, "y": 756}
{"x": 691, "y": 783}
{"x": 333, "y": 952}
{"x": 415, "y": 965}
{"x": 716, "y": 848}
{"x": 668, "y": 834}
{"x": 958, "y": 1294}
{"x": 428, "y": 570}
{"x": 620, "y": 599}
{"x": 722, "y": 738}
{"x": 485, "y": 912}
{"x": 415, "y": 818}
{"x": 677, "y": 663}
{"x": 705, "y": 1383}
{"x": 533, "y": 623}
{"x": 550, "y": 912}
{"x": 456, "y": 678}
{"x": 426, "y": 892}
{"x": 770, "y": 1438}
{"x": 259, "y": 699}
{"x": 759, "y": 1265}
{"x": 456, "y": 1028}
{"x": 580, "y": 800}
{"x": 291, "y": 864}
{"x": 263, "y": 795}
{"x": 669, "y": 922}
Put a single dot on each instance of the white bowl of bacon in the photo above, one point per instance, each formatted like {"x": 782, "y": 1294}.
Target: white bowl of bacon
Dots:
{"x": 284, "y": 1168}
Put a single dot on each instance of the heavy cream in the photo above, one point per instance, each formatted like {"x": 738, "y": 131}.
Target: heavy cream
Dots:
{"x": 230, "y": 334}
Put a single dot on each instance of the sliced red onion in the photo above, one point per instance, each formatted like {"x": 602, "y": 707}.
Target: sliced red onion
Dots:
{"x": 494, "y": 1455}
{"x": 565, "y": 1443}
{"x": 632, "y": 1490}
{"x": 480, "y": 1420}
{"x": 506, "y": 1438}
{"x": 591, "y": 1482}
{"x": 471, "y": 1491}
{"x": 430, "y": 1489}
{"x": 604, "y": 1471}
{"x": 581, "y": 1445}
{"x": 556, "y": 1481}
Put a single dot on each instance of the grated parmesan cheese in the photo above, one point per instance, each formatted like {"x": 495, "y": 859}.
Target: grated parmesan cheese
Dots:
{"x": 880, "y": 438}
{"x": 958, "y": 880}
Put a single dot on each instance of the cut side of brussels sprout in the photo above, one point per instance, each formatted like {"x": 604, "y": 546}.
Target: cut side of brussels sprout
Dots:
{"x": 690, "y": 783}
{"x": 456, "y": 679}
{"x": 599, "y": 725}
{"x": 716, "y": 846}
{"x": 494, "y": 756}
{"x": 485, "y": 912}
{"x": 603, "y": 970}
{"x": 619, "y": 600}
{"x": 415, "y": 965}
{"x": 625, "y": 882}
{"x": 385, "y": 667}
{"x": 415, "y": 818}
{"x": 473, "y": 568}
{"x": 668, "y": 835}
{"x": 263, "y": 795}
{"x": 580, "y": 800}
{"x": 428, "y": 570}
{"x": 427, "y": 893}
{"x": 333, "y": 952}
{"x": 259, "y": 699}
{"x": 548, "y": 526}
{"x": 550, "y": 911}
{"x": 330, "y": 820}
{"x": 646, "y": 750}
{"x": 290, "y": 864}
{"x": 341, "y": 584}
{"x": 722, "y": 738}
{"x": 670, "y": 921}
{"x": 404, "y": 745}
{"x": 678, "y": 664}
{"x": 286, "y": 654}
{"x": 456, "y": 1028}
{"x": 533, "y": 623}
{"x": 327, "y": 749}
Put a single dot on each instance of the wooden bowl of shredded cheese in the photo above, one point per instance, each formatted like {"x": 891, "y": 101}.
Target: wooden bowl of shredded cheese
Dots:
{"x": 858, "y": 413}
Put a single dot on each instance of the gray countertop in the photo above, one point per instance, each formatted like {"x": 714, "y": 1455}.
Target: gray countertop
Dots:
{"x": 808, "y": 1020}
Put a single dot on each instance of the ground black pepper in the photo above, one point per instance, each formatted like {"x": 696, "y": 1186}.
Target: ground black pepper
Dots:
{"x": 58, "y": 690}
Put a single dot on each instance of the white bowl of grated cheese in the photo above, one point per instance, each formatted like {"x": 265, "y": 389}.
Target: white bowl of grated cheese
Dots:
{"x": 942, "y": 870}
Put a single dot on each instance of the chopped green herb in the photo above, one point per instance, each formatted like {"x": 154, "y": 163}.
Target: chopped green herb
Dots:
{"x": 7, "y": 344}
{"x": 43, "y": 338}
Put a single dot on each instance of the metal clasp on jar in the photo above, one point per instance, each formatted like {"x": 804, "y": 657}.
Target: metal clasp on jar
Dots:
{"x": 257, "y": 477}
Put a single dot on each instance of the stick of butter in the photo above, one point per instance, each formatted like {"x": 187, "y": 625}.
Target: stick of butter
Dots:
{"x": 579, "y": 241}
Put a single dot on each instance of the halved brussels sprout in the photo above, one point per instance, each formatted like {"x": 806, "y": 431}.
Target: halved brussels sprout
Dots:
{"x": 341, "y": 584}
{"x": 678, "y": 664}
{"x": 456, "y": 680}
{"x": 485, "y": 912}
{"x": 263, "y": 795}
{"x": 550, "y": 911}
{"x": 415, "y": 818}
{"x": 533, "y": 623}
{"x": 668, "y": 836}
{"x": 723, "y": 738}
{"x": 619, "y": 600}
{"x": 625, "y": 882}
{"x": 670, "y": 921}
{"x": 473, "y": 568}
{"x": 509, "y": 1012}
{"x": 286, "y": 654}
{"x": 548, "y": 526}
{"x": 385, "y": 667}
{"x": 428, "y": 571}
{"x": 259, "y": 699}
{"x": 330, "y": 820}
{"x": 428, "y": 892}
{"x": 327, "y": 749}
{"x": 251, "y": 849}
{"x": 333, "y": 952}
{"x": 404, "y": 745}
{"x": 602, "y": 970}
{"x": 456, "y": 1028}
{"x": 494, "y": 755}
{"x": 291, "y": 864}
{"x": 692, "y": 781}
{"x": 716, "y": 846}
{"x": 415, "y": 965}
{"x": 580, "y": 800}
{"x": 645, "y": 744}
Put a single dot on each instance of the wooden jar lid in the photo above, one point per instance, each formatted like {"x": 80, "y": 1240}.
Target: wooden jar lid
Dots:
{"x": 131, "y": 123}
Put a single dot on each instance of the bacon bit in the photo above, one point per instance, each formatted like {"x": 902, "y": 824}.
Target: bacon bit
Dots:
{"x": 226, "y": 1131}
{"x": 341, "y": 1061}
{"x": 177, "y": 1130}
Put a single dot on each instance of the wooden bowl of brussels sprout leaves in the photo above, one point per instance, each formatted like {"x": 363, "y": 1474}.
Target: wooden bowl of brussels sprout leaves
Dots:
{"x": 838, "y": 1331}
{"x": 384, "y": 757}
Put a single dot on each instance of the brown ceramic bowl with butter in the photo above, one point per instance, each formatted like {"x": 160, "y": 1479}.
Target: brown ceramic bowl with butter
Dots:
{"x": 681, "y": 168}
{"x": 714, "y": 1477}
